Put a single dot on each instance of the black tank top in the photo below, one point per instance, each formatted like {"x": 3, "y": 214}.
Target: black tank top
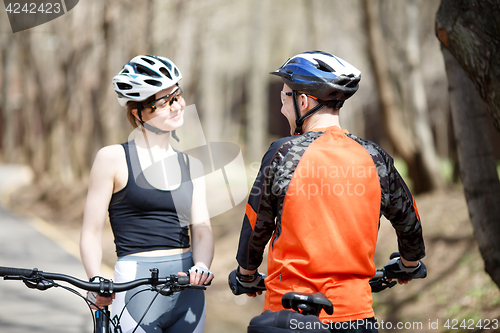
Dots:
{"x": 144, "y": 218}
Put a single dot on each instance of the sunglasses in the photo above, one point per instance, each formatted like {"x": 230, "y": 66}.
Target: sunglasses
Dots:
{"x": 284, "y": 94}
{"x": 169, "y": 99}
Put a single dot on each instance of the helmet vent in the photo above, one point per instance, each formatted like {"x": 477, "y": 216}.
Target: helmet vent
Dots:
{"x": 323, "y": 66}
{"x": 124, "y": 86}
{"x": 169, "y": 65}
{"x": 343, "y": 81}
{"x": 176, "y": 72}
{"x": 153, "y": 83}
{"x": 166, "y": 73}
{"x": 145, "y": 71}
{"x": 133, "y": 94}
{"x": 149, "y": 61}
{"x": 353, "y": 83}
{"x": 125, "y": 71}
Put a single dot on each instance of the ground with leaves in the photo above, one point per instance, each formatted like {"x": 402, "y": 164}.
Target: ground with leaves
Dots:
{"x": 457, "y": 291}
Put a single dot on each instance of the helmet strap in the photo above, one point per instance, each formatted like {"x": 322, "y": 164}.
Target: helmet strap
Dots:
{"x": 139, "y": 112}
{"x": 151, "y": 128}
{"x": 299, "y": 120}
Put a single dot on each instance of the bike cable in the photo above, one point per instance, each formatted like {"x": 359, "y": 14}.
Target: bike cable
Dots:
{"x": 87, "y": 301}
{"x": 149, "y": 307}
{"x": 126, "y": 304}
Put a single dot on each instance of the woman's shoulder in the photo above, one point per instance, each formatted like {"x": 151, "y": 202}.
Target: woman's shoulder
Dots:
{"x": 110, "y": 154}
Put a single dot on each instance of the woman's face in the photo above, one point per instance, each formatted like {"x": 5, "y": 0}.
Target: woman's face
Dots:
{"x": 167, "y": 112}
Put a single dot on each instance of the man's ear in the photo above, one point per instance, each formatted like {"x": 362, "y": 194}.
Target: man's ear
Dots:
{"x": 303, "y": 102}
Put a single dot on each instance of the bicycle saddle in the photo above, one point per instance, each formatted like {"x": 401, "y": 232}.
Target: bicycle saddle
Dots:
{"x": 307, "y": 303}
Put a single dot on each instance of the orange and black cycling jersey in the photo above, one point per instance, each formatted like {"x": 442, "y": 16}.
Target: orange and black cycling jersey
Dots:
{"x": 317, "y": 201}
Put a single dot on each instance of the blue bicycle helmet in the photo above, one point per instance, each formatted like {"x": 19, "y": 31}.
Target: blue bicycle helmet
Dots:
{"x": 322, "y": 75}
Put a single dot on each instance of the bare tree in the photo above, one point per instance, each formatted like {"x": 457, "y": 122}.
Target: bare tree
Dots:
{"x": 470, "y": 37}
{"x": 417, "y": 150}
{"x": 7, "y": 99}
{"x": 257, "y": 105}
{"x": 225, "y": 49}
{"x": 418, "y": 104}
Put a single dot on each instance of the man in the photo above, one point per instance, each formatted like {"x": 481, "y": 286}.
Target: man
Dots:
{"x": 318, "y": 199}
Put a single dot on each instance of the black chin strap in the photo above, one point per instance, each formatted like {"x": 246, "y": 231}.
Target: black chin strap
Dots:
{"x": 151, "y": 128}
{"x": 299, "y": 120}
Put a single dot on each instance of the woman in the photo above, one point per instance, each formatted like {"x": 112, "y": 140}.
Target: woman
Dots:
{"x": 152, "y": 216}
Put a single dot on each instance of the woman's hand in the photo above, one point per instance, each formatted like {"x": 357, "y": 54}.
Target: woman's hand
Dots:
{"x": 198, "y": 275}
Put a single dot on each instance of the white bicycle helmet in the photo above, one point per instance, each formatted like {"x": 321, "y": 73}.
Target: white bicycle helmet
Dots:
{"x": 144, "y": 76}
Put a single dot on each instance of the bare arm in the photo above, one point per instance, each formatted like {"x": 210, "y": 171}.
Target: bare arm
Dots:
{"x": 101, "y": 184}
{"x": 202, "y": 242}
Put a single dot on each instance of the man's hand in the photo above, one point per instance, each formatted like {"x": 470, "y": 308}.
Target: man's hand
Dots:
{"x": 408, "y": 269}
{"x": 241, "y": 280}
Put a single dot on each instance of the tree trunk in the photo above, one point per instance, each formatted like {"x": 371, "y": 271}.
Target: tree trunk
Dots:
{"x": 33, "y": 105}
{"x": 418, "y": 106}
{"x": 258, "y": 101}
{"x": 393, "y": 123}
{"x": 470, "y": 30}
{"x": 477, "y": 163}
{"x": 400, "y": 135}
{"x": 470, "y": 38}
{"x": 8, "y": 123}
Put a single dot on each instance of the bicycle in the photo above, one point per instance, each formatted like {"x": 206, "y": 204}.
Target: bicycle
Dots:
{"x": 307, "y": 306}
{"x": 103, "y": 323}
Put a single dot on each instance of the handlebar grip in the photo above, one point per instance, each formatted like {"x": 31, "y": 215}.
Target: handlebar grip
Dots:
{"x": 419, "y": 274}
{"x": 17, "y": 271}
{"x": 238, "y": 289}
{"x": 183, "y": 280}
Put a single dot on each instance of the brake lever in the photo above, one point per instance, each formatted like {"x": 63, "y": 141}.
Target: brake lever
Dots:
{"x": 176, "y": 288}
{"x": 380, "y": 284}
{"x": 34, "y": 282}
{"x": 37, "y": 283}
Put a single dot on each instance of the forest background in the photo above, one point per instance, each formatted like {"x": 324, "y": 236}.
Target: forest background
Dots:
{"x": 57, "y": 108}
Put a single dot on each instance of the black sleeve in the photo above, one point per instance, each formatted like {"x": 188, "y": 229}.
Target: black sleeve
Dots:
{"x": 399, "y": 207}
{"x": 259, "y": 222}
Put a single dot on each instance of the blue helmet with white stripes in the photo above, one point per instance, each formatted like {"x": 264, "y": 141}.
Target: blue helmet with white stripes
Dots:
{"x": 320, "y": 74}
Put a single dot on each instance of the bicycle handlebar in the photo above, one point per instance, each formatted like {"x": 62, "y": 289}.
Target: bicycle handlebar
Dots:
{"x": 380, "y": 273}
{"x": 35, "y": 279}
{"x": 103, "y": 287}
{"x": 378, "y": 282}
{"x": 17, "y": 271}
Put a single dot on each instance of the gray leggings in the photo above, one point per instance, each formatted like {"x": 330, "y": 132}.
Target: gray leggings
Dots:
{"x": 181, "y": 312}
